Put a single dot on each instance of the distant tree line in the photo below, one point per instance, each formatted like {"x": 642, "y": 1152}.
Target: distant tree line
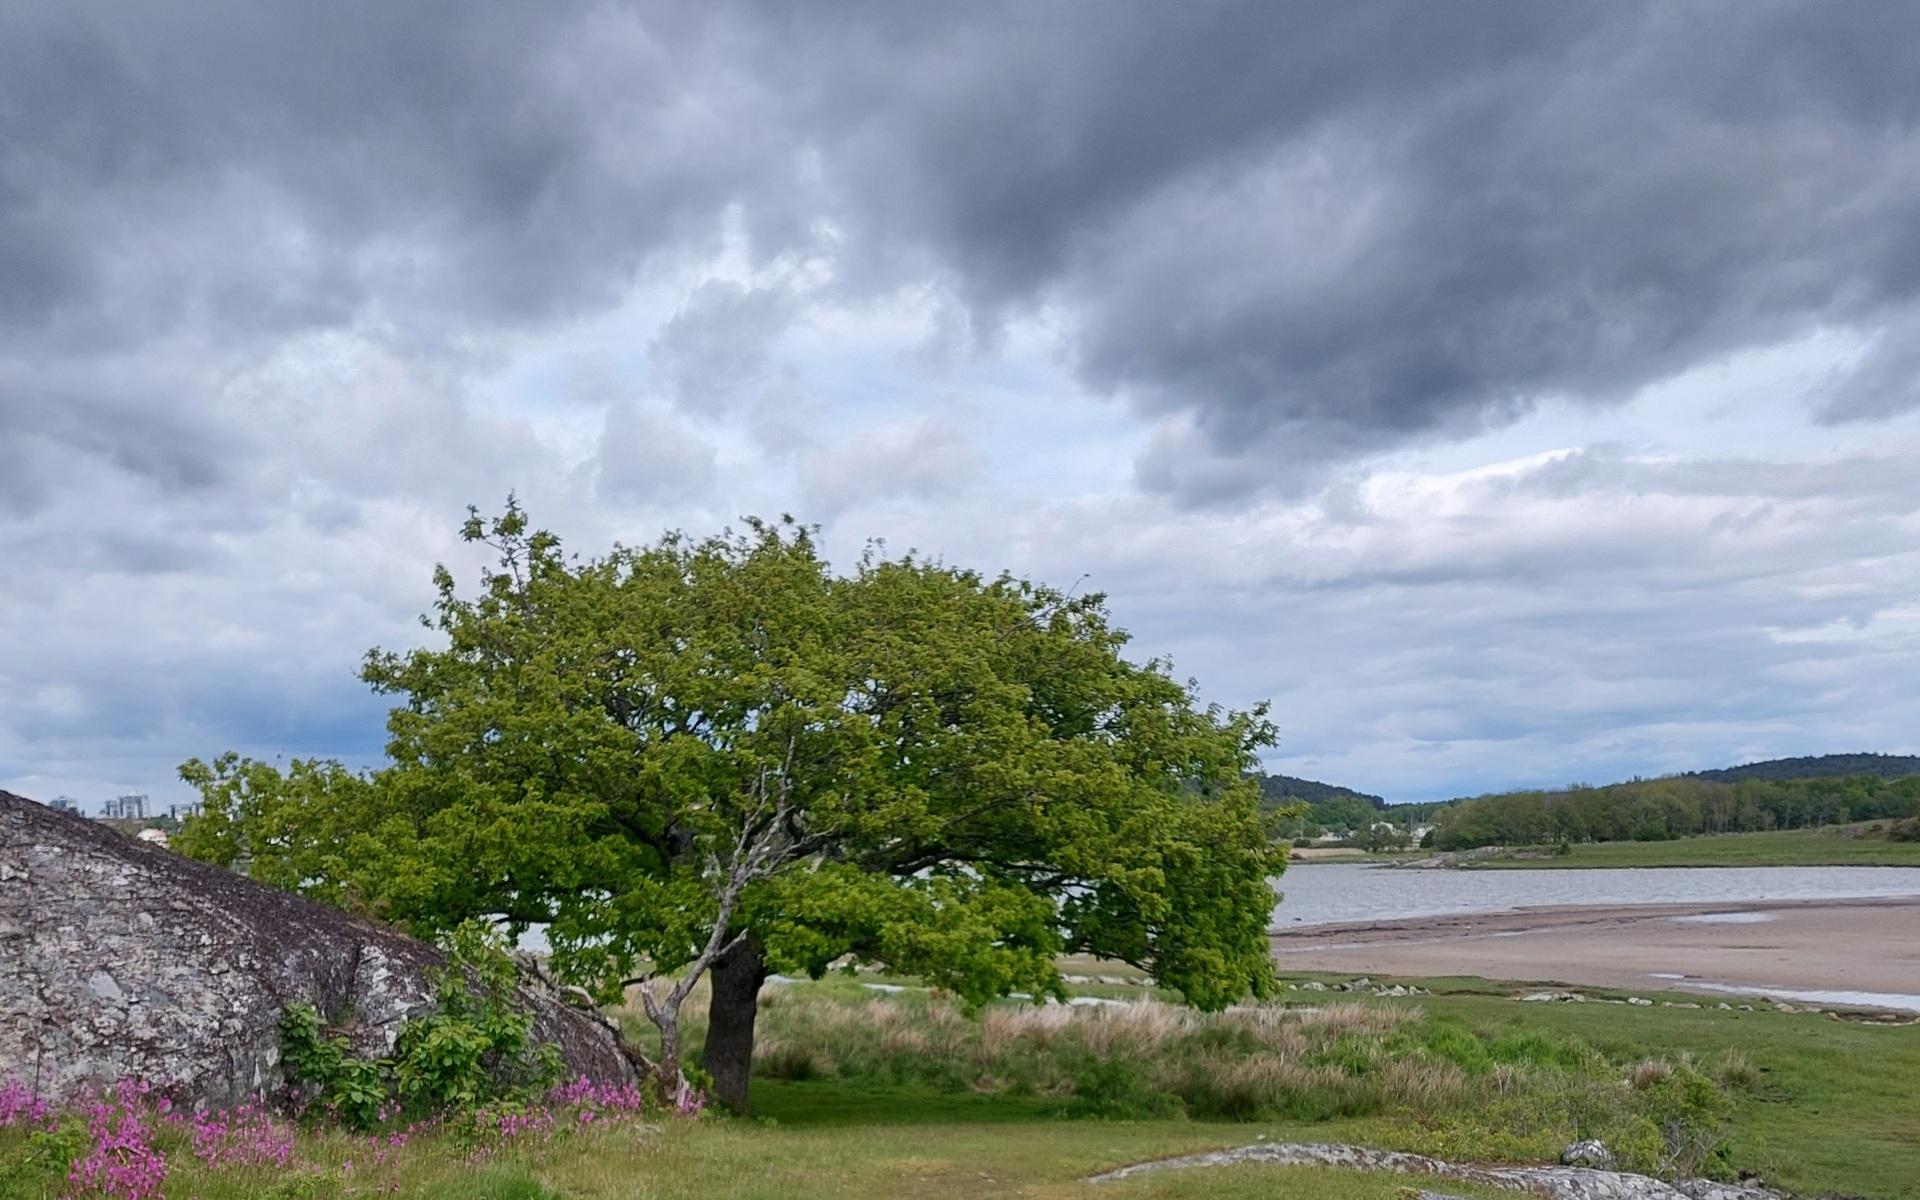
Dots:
{"x": 1680, "y": 806}
{"x": 1885, "y": 766}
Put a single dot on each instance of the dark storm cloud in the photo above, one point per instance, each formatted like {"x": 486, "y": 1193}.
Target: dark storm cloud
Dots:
{"x": 138, "y": 417}
{"x": 1310, "y": 231}
{"x": 501, "y": 162}
{"x": 1320, "y": 230}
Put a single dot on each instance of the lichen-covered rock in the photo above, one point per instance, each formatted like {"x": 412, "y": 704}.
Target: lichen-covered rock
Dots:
{"x": 1592, "y": 1152}
{"x": 119, "y": 959}
{"x": 1555, "y": 1183}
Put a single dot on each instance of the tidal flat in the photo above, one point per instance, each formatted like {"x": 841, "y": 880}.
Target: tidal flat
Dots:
{"x": 1840, "y": 937}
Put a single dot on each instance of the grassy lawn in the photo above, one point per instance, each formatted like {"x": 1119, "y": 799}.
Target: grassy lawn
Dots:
{"x": 1829, "y": 846}
{"x": 1830, "y": 1106}
{"x": 1824, "y": 1107}
{"x": 890, "y": 1157}
{"x": 1833, "y": 1111}
{"x": 1834, "y": 1108}
{"x": 830, "y": 1140}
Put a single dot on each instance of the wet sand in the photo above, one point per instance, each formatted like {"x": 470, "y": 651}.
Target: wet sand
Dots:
{"x": 1853, "y": 946}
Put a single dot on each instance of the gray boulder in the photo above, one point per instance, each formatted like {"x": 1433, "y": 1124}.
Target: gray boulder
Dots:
{"x": 1589, "y": 1153}
{"x": 1553, "y": 1183}
{"x": 123, "y": 960}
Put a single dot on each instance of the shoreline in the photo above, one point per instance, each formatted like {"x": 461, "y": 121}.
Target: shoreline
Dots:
{"x": 1865, "y": 950}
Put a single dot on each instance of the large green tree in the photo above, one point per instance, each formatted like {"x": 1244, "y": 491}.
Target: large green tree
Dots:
{"x": 719, "y": 756}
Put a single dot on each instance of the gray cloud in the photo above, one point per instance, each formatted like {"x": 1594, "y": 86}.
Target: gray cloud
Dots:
{"x": 273, "y": 167}
{"x": 719, "y": 341}
{"x": 649, "y": 455}
{"x": 1319, "y": 231}
{"x": 1885, "y": 382}
{"x": 261, "y": 265}
{"x": 1313, "y": 231}
{"x": 930, "y": 458}
{"x": 1583, "y": 618}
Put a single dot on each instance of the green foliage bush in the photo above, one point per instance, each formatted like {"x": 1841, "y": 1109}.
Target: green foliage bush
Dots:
{"x": 473, "y": 1048}
{"x": 1120, "y": 1089}
{"x": 1457, "y": 1045}
{"x": 37, "y": 1165}
{"x": 1689, "y": 1111}
{"x": 1531, "y": 1048}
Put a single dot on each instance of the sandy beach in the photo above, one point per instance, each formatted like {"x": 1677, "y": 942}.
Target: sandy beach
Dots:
{"x": 1813, "y": 946}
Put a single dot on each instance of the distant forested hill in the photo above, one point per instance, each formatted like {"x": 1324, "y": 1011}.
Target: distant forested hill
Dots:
{"x": 1781, "y": 793}
{"x": 1823, "y": 766}
{"x": 1653, "y": 810}
{"x": 1279, "y": 789}
{"x": 1329, "y": 806}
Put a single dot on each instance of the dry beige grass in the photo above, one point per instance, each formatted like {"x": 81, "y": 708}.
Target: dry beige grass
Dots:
{"x": 1348, "y": 1058}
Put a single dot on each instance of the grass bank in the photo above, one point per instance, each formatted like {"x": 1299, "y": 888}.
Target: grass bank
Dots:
{"x": 870, "y": 1094}
{"x": 1864, "y": 845}
{"x": 1829, "y": 1106}
{"x": 723, "y": 1159}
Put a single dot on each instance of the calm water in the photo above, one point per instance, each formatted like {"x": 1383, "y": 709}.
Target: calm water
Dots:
{"x": 1331, "y": 893}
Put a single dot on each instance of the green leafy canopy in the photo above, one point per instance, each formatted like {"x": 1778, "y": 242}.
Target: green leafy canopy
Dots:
{"x": 672, "y": 746}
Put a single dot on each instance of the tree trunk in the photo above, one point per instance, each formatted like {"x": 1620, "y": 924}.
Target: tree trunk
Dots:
{"x": 736, "y": 981}
{"x": 668, "y": 1069}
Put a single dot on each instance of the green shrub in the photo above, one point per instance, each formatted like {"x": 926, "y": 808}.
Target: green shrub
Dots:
{"x": 354, "y": 1090}
{"x": 1690, "y": 1112}
{"x": 1120, "y": 1089}
{"x": 1457, "y": 1045}
{"x": 1534, "y": 1049}
{"x": 471, "y": 1049}
{"x": 35, "y": 1164}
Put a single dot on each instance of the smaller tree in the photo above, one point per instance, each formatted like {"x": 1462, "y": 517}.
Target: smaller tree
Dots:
{"x": 1378, "y": 837}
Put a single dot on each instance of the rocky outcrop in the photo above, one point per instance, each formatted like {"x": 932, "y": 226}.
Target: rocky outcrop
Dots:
{"x": 120, "y": 959}
{"x": 1557, "y": 1183}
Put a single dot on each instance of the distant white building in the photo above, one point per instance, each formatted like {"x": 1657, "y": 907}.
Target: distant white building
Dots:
{"x": 130, "y": 807}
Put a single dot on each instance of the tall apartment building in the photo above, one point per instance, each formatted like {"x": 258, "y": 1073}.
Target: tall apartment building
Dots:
{"x": 130, "y": 807}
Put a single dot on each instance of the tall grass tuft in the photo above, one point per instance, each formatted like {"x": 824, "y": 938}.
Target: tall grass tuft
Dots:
{"x": 1521, "y": 1090}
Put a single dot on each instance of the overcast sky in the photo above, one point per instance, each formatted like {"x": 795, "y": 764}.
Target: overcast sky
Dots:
{"x": 1514, "y": 394}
